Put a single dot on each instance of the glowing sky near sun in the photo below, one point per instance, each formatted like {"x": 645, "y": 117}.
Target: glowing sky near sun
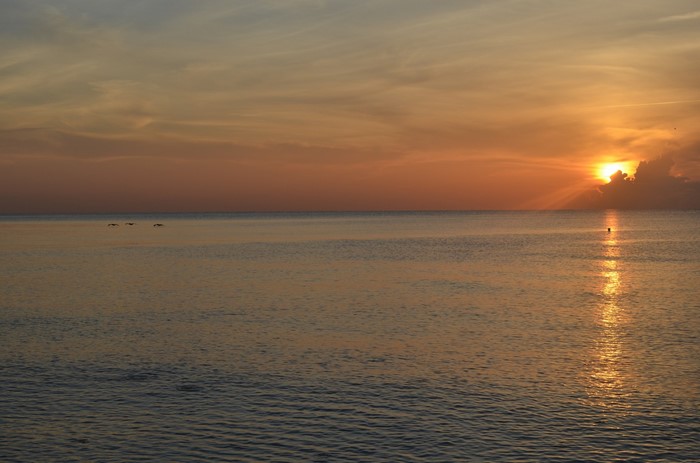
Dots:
{"x": 310, "y": 104}
{"x": 605, "y": 170}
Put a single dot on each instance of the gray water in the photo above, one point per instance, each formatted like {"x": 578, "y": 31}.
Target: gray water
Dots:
{"x": 494, "y": 336}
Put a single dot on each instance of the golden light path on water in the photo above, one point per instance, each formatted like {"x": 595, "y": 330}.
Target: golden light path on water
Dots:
{"x": 476, "y": 336}
{"x": 607, "y": 377}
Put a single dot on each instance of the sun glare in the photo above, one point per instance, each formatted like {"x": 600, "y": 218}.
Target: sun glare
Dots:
{"x": 609, "y": 168}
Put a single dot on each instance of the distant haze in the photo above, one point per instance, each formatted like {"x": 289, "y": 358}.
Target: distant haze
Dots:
{"x": 266, "y": 105}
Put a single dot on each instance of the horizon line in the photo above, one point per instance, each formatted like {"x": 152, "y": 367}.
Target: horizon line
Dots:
{"x": 329, "y": 211}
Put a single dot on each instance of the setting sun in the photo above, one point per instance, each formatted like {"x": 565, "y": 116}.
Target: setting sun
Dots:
{"x": 609, "y": 168}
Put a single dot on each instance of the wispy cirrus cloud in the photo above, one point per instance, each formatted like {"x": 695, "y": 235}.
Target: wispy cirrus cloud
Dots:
{"x": 682, "y": 17}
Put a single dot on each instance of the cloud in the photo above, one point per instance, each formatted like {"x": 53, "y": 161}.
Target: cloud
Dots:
{"x": 315, "y": 72}
{"x": 681, "y": 17}
{"x": 652, "y": 187}
{"x": 56, "y": 146}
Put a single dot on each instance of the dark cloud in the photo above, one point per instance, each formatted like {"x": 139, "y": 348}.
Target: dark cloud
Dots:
{"x": 652, "y": 187}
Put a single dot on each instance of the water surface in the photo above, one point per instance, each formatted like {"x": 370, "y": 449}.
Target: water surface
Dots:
{"x": 489, "y": 336}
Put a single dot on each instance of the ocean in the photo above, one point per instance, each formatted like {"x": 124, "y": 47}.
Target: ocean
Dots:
{"x": 358, "y": 337}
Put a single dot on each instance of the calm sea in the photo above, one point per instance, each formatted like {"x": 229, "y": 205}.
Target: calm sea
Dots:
{"x": 397, "y": 337}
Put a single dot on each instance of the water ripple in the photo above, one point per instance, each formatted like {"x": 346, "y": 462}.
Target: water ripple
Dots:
{"x": 122, "y": 415}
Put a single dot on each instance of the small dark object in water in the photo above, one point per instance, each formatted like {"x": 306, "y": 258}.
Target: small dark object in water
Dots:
{"x": 157, "y": 224}
{"x": 608, "y": 229}
{"x": 189, "y": 388}
{"x": 79, "y": 440}
{"x": 128, "y": 223}
{"x": 138, "y": 377}
{"x": 112, "y": 224}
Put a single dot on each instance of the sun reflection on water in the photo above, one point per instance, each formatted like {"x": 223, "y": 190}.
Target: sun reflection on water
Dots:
{"x": 607, "y": 377}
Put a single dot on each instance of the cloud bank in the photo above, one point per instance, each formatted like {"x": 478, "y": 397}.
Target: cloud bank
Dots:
{"x": 652, "y": 187}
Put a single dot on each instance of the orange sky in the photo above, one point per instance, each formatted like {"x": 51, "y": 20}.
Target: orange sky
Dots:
{"x": 338, "y": 105}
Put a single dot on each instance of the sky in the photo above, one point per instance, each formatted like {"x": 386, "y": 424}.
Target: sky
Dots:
{"x": 279, "y": 105}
